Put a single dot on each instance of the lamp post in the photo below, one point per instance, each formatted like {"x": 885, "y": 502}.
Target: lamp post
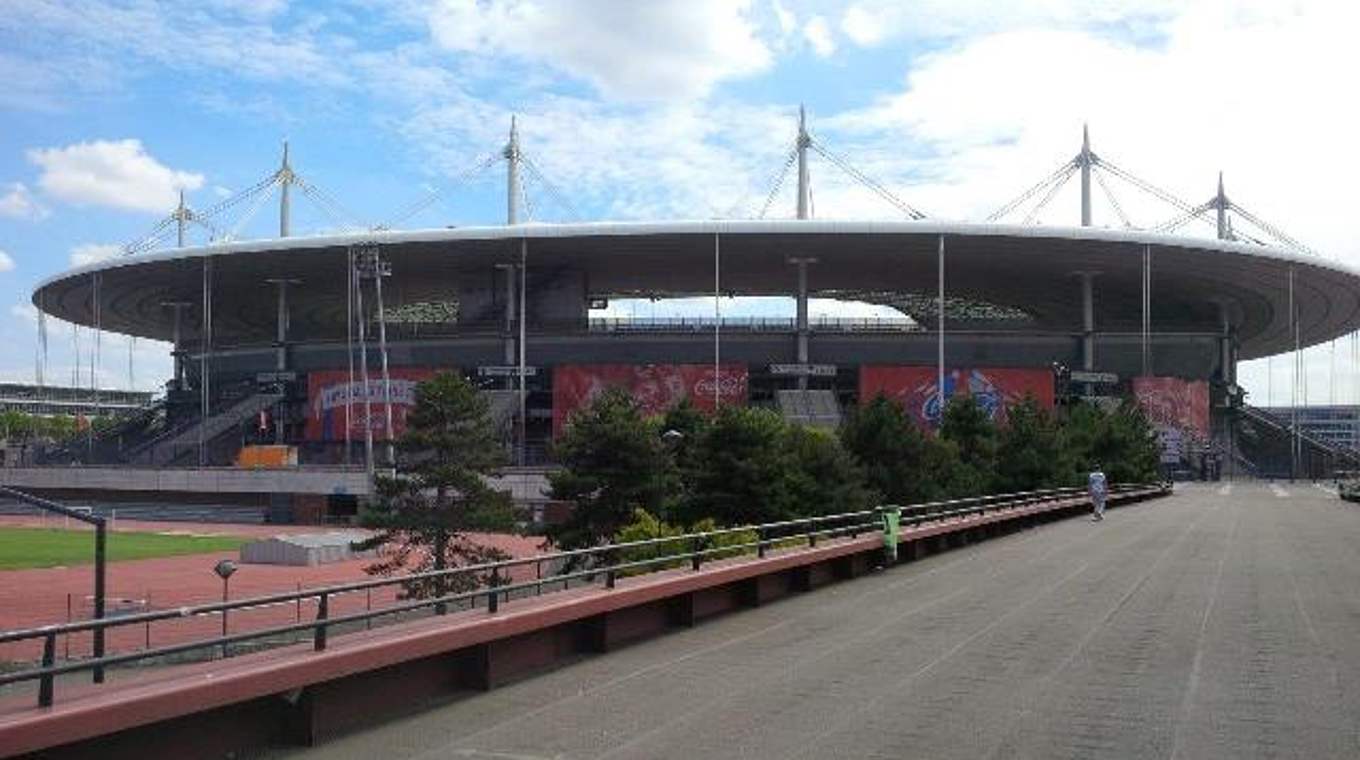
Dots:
{"x": 224, "y": 569}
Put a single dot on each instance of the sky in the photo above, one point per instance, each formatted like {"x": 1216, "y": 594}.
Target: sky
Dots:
{"x": 653, "y": 110}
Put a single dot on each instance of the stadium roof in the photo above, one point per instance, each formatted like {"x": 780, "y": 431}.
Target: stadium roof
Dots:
{"x": 1030, "y": 268}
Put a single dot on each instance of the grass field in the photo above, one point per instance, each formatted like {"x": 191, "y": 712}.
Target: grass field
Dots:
{"x": 41, "y": 547}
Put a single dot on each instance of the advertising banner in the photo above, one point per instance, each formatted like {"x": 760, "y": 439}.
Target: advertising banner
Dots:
{"x": 330, "y": 392}
{"x": 994, "y": 389}
{"x": 656, "y": 387}
{"x": 1178, "y": 409}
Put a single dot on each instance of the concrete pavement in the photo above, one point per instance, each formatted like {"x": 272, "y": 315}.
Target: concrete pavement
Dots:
{"x": 1215, "y": 623}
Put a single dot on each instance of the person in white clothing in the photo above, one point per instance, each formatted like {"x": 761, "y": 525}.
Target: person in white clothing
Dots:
{"x": 1098, "y": 489}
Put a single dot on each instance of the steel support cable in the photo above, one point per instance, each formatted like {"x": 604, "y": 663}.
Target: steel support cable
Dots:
{"x": 1059, "y": 175}
{"x": 866, "y": 180}
{"x": 250, "y": 212}
{"x": 554, "y": 191}
{"x": 331, "y": 208}
{"x": 1048, "y": 197}
{"x": 1114, "y": 202}
{"x": 229, "y": 203}
{"x": 1141, "y": 184}
{"x": 1176, "y": 222}
{"x": 1270, "y": 229}
{"x": 151, "y": 239}
{"x": 779, "y": 178}
{"x": 439, "y": 192}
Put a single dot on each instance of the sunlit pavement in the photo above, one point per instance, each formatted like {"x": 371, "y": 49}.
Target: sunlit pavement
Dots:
{"x": 1218, "y": 623}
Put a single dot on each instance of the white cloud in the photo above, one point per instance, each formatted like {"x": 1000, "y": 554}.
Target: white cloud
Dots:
{"x": 19, "y": 203}
{"x": 818, "y": 34}
{"x": 785, "y": 18}
{"x": 655, "y": 50}
{"x": 89, "y": 253}
{"x": 115, "y": 173}
{"x": 6, "y": 262}
{"x": 873, "y": 22}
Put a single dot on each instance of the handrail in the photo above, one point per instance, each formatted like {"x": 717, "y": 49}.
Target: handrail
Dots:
{"x": 700, "y": 547}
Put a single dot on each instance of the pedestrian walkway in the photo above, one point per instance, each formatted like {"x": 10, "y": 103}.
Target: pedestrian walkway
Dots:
{"x": 1190, "y": 627}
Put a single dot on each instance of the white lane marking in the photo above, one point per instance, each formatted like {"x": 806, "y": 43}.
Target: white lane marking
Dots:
{"x": 1279, "y": 490}
{"x": 1225, "y": 489}
{"x": 1330, "y": 491}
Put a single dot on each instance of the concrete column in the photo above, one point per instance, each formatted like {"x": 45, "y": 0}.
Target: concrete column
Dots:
{"x": 508, "y": 333}
{"x": 1227, "y": 359}
{"x": 1088, "y": 325}
{"x": 176, "y": 341}
{"x": 281, "y": 322}
{"x": 802, "y": 327}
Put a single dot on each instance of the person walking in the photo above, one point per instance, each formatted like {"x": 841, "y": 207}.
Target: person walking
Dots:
{"x": 1098, "y": 489}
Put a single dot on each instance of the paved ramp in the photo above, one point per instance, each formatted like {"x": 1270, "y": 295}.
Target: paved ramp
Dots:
{"x": 1211, "y": 624}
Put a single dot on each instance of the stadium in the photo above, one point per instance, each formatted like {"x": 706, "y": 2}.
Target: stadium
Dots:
{"x": 302, "y": 353}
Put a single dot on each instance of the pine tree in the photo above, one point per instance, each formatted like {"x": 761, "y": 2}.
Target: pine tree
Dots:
{"x": 426, "y": 513}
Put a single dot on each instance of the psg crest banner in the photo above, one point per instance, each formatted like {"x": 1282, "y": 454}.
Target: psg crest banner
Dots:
{"x": 655, "y": 387}
{"x": 916, "y": 389}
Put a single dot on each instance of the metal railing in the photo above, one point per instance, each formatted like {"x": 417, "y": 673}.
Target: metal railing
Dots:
{"x": 603, "y": 564}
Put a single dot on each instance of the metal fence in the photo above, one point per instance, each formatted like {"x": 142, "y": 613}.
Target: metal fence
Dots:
{"x": 496, "y": 584}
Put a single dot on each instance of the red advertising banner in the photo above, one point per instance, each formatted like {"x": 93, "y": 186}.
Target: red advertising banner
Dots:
{"x": 994, "y": 389}
{"x": 656, "y": 387}
{"x": 1175, "y": 404}
{"x": 330, "y": 392}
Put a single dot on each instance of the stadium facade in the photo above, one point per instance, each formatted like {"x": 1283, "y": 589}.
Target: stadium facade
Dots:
{"x": 273, "y": 339}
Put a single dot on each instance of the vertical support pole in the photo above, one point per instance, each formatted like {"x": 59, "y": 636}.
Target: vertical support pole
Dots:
{"x": 363, "y": 374}
{"x": 1084, "y": 161}
{"x": 508, "y": 331}
{"x": 1294, "y": 386}
{"x": 801, "y": 322}
{"x": 285, "y": 176}
{"x": 523, "y": 393}
{"x": 181, "y": 216}
{"x": 1088, "y": 326}
{"x": 717, "y": 322}
{"x": 349, "y": 352}
{"x": 100, "y": 568}
{"x": 939, "y": 331}
{"x": 1147, "y": 309}
{"x": 804, "y": 186}
{"x": 512, "y": 181}
{"x": 1221, "y": 204}
{"x": 203, "y": 362}
{"x": 322, "y": 612}
{"x": 380, "y": 270}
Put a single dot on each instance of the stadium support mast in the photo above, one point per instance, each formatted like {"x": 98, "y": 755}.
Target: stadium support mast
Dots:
{"x": 286, "y": 178}
{"x": 804, "y": 188}
{"x": 181, "y": 219}
{"x": 1221, "y": 205}
{"x": 512, "y": 181}
{"x": 1084, "y": 161}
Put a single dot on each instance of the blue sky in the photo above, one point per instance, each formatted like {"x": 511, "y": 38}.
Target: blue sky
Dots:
{"x": 662, "y": 109}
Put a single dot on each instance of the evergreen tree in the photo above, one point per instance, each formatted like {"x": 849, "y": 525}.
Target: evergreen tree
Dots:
{"x": 613, "y": 462}
{"x": 901, "y": 463}
{"x": 967, "y": 426}
{"x": 823, "y": 478}
{"x": 740, "y": 470}
{"x": 425, "y": 513}
{"x": 1030, "y": 453}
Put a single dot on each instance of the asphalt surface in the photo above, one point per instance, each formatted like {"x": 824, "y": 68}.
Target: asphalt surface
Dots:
{"x": 1222, "y": 622}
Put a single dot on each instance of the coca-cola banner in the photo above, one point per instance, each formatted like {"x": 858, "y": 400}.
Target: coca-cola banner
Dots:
{"x": 330, "y": 392}
{"x": 1173, "y": 403}
{"x": 916, "y": 388}
{"x": 655, "y": 387}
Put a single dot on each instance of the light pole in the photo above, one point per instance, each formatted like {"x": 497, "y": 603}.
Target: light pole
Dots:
{"x": 224, "y": 570}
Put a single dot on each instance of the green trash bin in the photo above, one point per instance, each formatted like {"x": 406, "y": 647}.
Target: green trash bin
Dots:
{"x": 892, "y": 520}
